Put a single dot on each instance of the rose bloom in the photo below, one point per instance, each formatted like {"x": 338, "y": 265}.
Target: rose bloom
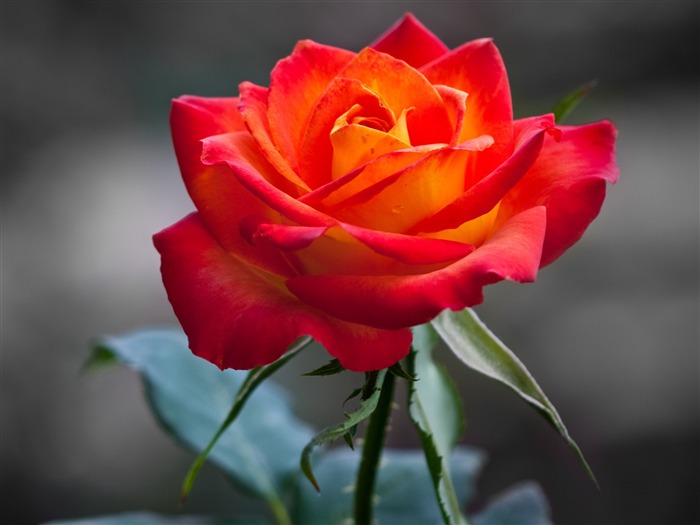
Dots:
{"x": 363, "y": 193}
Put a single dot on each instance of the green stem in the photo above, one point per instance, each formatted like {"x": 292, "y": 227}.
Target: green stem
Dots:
{"x": 279, "y": 511}
{"x": 372, "y": 452}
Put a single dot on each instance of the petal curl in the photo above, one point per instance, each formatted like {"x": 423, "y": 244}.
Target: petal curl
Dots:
{"x": 407, "y": 249}
{"x": 410, "y": 249}
{"x": 296, "y": 83}
{"x": 212, "y": 188}
{"x": 399, "y": 201}
{"x": 337, "y": 191}
{"x": 239, "y": 153}
{"x": 456, "y": 105}
{"x": 483, "y": 194}
{"x": 569, "y": 178}
{"x": 226, "y": 309}
{"x": 403, "y": 87}
{"x": 410, "y": 41}
{"x": 253, "y": 108}
{"x": 393, "y": 302}
{"x": 477, "y": 69}
{"x": 315, "y": 149}
{"x": 194, "y": 118}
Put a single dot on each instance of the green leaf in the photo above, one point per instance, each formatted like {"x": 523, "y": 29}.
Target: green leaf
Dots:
{"x": 99, "y": 358}
{"x": 524, "y": 504}
{"x": 477, "y": 347}
{"x": 436, "y": 410}
{"x": 565, "y": 106}
{"x": 365, "y": 409}
{"x": 398, "y": 371}
{"x": 403, "y": 493}
{"x": 255, "y": 377}
{"x": 148, "y": 518}
{"x": 191, "y": 397}
{"x": 329, "y": 369}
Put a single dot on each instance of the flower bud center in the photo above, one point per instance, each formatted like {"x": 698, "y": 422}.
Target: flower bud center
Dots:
{"x": 364, "y": 132}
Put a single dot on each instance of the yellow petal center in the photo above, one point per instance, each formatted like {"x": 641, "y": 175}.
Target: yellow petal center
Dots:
{"x": 363, "y": 133}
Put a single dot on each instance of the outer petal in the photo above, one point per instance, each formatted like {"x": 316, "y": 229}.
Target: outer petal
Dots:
{"x": 212, "y": 188}
{"x": 397, "y": 301}
{"x": 296, "y": 83}
{"x": 569, "y": 179}
{"x": 411, "y": 41}
{"x": 477, "y": 69}
{"x": 226, "y": 307}
{"x": 193, "y": 118}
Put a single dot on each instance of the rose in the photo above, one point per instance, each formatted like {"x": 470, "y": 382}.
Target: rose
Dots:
{"x": 363, "y": 193}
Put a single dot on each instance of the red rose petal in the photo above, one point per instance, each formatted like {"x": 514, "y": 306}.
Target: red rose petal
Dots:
{"x": 477, "y": 69}
{"x": 410, "y": 249}
{"x": 296, "y": 83}
{"x": 212, "y": 188}
{"x": 568, "y": 178}
{"x": 393, "y": 302}
{"x": 225, "y": 307}
{"x": 411, "y": 41}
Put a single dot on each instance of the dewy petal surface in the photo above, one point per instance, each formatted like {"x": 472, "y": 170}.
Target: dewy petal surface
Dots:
{"x": 396, "y": 301}
{"x": 569, "y": 178}
{"x": 226, "y": 307}
{"x": 411, "y": 41}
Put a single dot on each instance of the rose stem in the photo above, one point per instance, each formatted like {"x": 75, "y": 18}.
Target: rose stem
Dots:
{"x": 371, "y": 453}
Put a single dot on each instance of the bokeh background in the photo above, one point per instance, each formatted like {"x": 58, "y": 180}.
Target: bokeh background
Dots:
{"x": 610, "y": 330}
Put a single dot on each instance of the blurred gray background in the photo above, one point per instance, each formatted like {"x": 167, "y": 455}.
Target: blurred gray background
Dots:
{"x": 610, "y": 330}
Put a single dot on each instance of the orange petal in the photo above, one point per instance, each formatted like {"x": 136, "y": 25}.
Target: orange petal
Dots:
{"x": 403, "y": 87}
{"x": 482, "y": 194}
{"x": 253, "y": 107}
{"x": 316, "y": 150}
{"x": 399, "y": 201}
{"x": 355, "y": 145}
{"x": 330, "y": 195}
